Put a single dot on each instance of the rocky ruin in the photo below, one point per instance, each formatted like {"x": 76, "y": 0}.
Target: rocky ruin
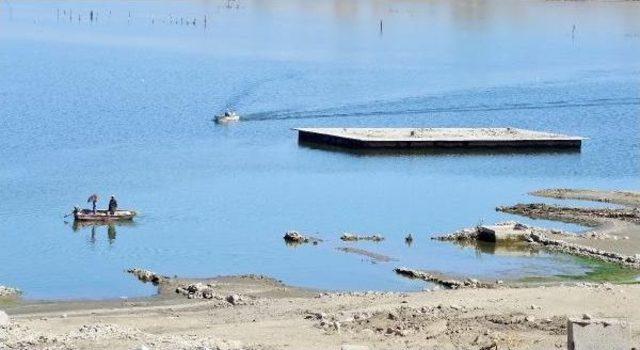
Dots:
{"x": 295, "y": 237}
{"x": 445, "y": 282}
{"x": 208, "y": 291}
{"x": 148, "y": 276}
{"x": 356, "y": 237}
{"x": 9, "y": 292}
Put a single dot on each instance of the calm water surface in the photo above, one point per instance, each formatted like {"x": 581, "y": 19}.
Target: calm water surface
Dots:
{"x": 123, "y": 105}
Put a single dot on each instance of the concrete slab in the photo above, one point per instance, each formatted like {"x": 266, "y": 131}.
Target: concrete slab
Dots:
{"x": 4, "y": 318}
{"x": 502, "y": 232}
{"x": 437, "y": 138}
{"x": 354, "y": 347}
{"x": 598, "y": 334}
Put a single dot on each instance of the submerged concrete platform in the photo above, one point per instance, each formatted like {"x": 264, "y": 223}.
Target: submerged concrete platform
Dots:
{"x": 437, "y": 138}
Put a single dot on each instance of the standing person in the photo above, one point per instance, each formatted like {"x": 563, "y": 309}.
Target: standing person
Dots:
{"x": 113, "y": 205}
{"x": 93, "y": 199}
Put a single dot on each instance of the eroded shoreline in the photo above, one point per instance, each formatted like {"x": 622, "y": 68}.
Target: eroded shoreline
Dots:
{"x": 250, "y": 312}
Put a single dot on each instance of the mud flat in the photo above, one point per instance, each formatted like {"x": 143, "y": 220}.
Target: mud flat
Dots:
{"x": 426, "y": 138}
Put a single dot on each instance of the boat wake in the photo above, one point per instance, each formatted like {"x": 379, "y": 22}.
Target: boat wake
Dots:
{"x": 430, "y": 105}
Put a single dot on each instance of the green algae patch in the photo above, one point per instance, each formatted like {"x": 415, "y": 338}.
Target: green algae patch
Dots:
{"x": 598, "y": 271}
{"x": 604, "y": 271}
{"x": 5, "y": 302}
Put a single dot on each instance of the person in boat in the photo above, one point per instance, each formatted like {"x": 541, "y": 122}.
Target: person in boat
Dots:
{"x": 113, "y": 205}
{"x": 93, "y": 199}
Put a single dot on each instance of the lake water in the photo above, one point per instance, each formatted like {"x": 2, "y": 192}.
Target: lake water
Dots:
{"x": 123, "y": 105}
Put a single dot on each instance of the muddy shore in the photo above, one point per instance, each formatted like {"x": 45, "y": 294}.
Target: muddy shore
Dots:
{"x": 257, "y": 312}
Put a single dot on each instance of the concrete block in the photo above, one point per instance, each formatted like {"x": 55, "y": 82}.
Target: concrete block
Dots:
{"x": 4, "y": 318}
{"x": 354, "y": 347}
{"x": 598, "y": 334}
{"x": 502, "y": 232}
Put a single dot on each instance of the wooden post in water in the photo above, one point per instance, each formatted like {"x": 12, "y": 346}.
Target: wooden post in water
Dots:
{"x": 205, "y": 21}
{"x": 380, "y": 27}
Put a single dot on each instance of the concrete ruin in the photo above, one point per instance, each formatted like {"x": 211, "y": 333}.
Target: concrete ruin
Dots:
{"x": 596, "y": 334}
{"x": 437, "y": 138}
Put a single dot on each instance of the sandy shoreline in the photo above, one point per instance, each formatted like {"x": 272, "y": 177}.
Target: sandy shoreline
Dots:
{"x": 286, "y": 317}
{"x": 255, "y": 312}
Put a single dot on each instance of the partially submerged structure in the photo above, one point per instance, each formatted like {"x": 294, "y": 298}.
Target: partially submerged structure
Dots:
{"x": 402, "y": 138}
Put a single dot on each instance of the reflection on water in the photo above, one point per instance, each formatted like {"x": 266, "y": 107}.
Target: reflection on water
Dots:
{"x": 513, "y": 249}
{"x": 97, "y": 228}
{"x": 441, "y": 151}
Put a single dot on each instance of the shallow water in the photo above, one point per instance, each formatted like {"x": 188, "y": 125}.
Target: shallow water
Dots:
{"x": 123, "y": 104}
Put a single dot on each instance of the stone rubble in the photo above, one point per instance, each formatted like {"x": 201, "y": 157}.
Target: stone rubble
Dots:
{"x": 147, "y": 276}
{"x": 22, "y": 337}
{"x": 576, "y": 249}
{"x": 207, "y": 291}
{"x": 539, "y": 236}
{"x": 9, "y": 292}
{"x": 356, "y": 237}
{"x": 296, "y": 237}
{"x": 447, "y": 283}
{"x": 445, "y": 323}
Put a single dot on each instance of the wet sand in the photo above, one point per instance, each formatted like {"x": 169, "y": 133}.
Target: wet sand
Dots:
{"x": 255, "y": 312}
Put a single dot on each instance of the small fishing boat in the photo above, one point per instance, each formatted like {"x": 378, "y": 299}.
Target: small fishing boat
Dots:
{"x": 102, "y": 215}
{"x": 227, "y": 117}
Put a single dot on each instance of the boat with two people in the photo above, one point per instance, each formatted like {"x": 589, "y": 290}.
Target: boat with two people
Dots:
{"x": 102, "y": 215}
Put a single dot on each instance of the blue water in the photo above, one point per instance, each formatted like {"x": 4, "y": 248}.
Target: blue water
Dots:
{"x": 123, "y": 105}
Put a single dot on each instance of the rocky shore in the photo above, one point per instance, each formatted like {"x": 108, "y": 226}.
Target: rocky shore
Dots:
{"x": 540, "y": 237}
{"x": 448, "y": 283}
{"x": 469, "y": 318}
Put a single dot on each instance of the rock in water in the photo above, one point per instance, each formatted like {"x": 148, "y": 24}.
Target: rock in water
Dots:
{"x": 147, "y": 276}
{"x": 295, "y": 237}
